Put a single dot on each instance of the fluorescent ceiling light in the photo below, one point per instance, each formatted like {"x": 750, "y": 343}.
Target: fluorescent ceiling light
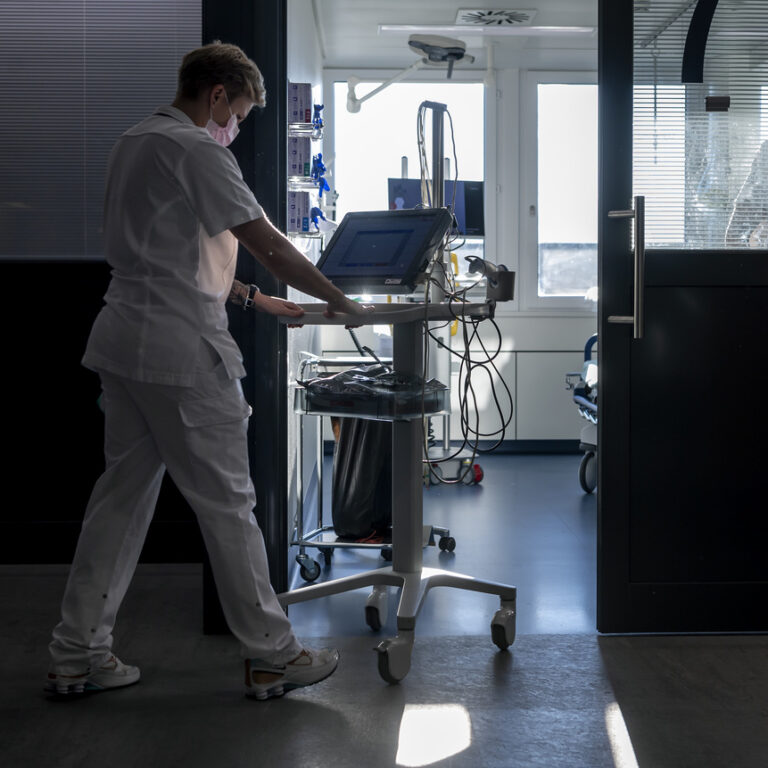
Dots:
{"x": 467, "y": 31}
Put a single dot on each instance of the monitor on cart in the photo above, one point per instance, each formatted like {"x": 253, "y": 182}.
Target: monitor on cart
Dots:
{"x": 383, "y": 251}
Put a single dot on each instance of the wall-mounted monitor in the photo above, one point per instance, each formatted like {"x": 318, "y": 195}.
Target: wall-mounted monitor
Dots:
{"x": 404, "y": 194}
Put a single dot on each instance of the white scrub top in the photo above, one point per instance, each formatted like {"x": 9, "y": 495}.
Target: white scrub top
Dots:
{"x": 172, "y": 195}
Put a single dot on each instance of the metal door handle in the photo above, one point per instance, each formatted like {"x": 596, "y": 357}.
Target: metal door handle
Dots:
{"x": 637, "y": 318}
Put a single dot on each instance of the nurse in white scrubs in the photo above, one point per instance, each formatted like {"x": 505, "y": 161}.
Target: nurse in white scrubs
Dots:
{"x": 175, "y": 208}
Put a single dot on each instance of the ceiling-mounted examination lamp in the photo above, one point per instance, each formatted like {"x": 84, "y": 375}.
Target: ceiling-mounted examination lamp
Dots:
{"x": 433, "y": 50}
{"x": 440, "y": 50}
{"x": 524, "y": 31}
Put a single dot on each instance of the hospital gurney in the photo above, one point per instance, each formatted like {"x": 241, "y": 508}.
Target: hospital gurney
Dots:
{"x": 584, "y": 386}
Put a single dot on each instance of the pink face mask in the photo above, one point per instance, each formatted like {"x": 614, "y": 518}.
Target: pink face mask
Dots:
{"x": 223, "y": 134}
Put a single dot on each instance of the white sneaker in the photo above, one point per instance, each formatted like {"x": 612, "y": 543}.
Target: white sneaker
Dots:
{"x": 263, "y": 680}
{"x": 112, "y": 674}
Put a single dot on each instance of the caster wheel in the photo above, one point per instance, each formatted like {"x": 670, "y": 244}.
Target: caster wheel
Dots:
{"x": 503, "y": 628}
{"x": 309, "y": 569}
{"x": 394, "y": 659}
{"x": 474, "y": 475}
{"x": 447, "y": 543}
{"x": 588, "y": 472}
{"x": 327, "y": 553}
{"x": 376, "y": 607}
{"x": 372, "y": 617}
{"x": 386, "y": 553}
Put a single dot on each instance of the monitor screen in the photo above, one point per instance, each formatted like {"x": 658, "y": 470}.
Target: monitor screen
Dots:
{"x": 467, "y": 205}
{"x": 383, "y": 251}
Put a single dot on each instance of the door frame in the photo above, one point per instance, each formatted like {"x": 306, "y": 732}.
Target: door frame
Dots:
{"x": 615, "y": 68}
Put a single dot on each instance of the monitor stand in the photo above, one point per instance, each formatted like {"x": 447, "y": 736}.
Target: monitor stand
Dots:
{"x": 407, "y": 571}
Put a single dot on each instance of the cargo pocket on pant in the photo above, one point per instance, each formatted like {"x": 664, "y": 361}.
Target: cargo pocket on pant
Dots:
{"x": 216, "y": 456}
{"x": 214, "y": 410}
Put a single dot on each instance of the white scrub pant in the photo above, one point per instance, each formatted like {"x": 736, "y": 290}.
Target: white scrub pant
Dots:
{"x": 199, "y": 434}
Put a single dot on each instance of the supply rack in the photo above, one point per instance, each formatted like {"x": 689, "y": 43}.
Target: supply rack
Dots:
{"x": 323, "y": 537}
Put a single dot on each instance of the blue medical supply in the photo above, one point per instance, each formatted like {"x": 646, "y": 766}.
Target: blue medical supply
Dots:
{"x": 318, "y": 173}
{"x": 322, "y": 185}
{"x": 321, "y": 223}
{"x": 318, "y": 168}
{"x": 317, "y": 118}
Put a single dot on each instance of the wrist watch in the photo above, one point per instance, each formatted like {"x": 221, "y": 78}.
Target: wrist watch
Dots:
{"x": 252, "y": 291}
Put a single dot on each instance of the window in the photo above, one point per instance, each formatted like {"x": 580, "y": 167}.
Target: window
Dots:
{"x": 369, "y": 146}
{"x": 559, "y": 146}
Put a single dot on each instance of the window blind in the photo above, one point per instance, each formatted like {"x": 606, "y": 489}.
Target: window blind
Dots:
{"x": 75, "y": 74}
{"x": 699, "y": 151}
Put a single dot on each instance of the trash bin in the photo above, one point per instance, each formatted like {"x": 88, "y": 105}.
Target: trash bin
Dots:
{"x": 361, "y": 491}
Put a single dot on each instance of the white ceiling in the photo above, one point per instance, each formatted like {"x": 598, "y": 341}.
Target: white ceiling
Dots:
{"x": 350, "y": 38}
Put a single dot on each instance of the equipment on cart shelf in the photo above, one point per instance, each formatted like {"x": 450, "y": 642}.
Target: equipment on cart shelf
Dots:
{"x": 584, "y": 386}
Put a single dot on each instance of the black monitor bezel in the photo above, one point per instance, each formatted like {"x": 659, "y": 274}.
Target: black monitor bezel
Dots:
{"x": 393, "y": 181}
{"x": 441, "y": 224}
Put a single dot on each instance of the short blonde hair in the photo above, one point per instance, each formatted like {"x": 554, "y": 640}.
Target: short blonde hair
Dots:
{"x": 225, "y": 64}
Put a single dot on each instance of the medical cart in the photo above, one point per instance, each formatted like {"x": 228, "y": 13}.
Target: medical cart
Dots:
{"x": 407, "y": 571}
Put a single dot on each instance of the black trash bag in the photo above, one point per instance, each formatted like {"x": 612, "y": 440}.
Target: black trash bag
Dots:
{"x": 373, "y": 390}
{"x": 361, "y": 498}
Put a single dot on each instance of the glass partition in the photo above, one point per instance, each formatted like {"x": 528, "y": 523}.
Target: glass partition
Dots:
{"x": 699, "y": 152}
{"x": 75, "y": 74}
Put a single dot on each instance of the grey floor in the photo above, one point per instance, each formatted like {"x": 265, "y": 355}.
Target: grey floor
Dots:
{"x": 561, "y": 696}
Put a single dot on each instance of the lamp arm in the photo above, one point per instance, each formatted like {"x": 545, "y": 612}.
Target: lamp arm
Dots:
{"x": 353, "y": 103}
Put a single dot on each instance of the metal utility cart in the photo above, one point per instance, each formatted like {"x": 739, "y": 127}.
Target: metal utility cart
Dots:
{"x": 323, "y": 537}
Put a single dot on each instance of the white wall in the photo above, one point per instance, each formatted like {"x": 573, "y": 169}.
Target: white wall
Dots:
{"x": 305, "y": 61}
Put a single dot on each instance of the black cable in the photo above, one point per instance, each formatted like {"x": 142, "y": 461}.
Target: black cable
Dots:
{"x": 357, "y": 342}
{"x": 466, "y": 387}
{"x": 469, "y": 364}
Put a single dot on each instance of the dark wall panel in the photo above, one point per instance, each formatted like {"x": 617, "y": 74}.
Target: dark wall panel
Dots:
{"x": 52, "y": 426}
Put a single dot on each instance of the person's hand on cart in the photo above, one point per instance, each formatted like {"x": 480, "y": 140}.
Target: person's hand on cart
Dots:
{"x": 345, "y": 305}
{"x": 274, "y": 305}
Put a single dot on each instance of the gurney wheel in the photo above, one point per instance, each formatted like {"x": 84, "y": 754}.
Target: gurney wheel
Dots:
{"x": 588, "y": 472}
{"x": 447, "y": 543}
{"x": 327, "y": 553}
